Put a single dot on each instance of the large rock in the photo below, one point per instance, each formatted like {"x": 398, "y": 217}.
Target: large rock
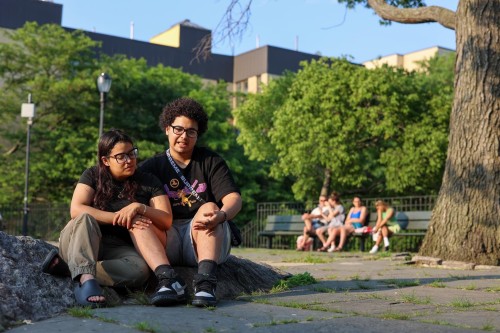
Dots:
{"x": 28, "y": 294}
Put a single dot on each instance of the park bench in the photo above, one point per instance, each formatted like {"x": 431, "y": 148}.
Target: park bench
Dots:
{"x": 413, "y": 223}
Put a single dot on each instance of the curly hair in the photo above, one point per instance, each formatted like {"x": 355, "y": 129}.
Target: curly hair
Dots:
{"x": 105, "y": 190}
{"x": 186, "y": 107}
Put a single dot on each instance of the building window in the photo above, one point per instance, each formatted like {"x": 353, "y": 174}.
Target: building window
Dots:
{"x": 242, "y": 86}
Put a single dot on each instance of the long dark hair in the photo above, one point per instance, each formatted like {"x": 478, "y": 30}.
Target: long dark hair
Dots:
{"x": 106, "y": 190}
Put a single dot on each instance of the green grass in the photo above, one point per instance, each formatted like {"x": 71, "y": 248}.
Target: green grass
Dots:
{"x": 144, "y": 327}
{"x": 355, "y": 277}
{"x": 402, "y": 283}
{"x": 471, "y": 286}
{"x": 81, "y": 312}
{"x": 210, "y": 330}
{"x": 461, "y": 303}
{"x": 296, "y": 280}
{"x": 488, "y": 327}
{"x": 278, "y": 322}
{"x": 140, "y": 297}
{"x": 395, "y": 316}
{"x": 414, "y": 299}
{"x": 363, "y": 286}
{"x": 310, "y": 259}
{"x": 324, "y": 290}
{"x": 437, "y": 284}
{"x": 493, "y": 289}
{"x": 315, "y": 306}
{"x": 107, "y": 320}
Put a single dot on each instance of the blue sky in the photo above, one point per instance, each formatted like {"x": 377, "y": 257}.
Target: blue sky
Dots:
{"x": 314, "y": 26}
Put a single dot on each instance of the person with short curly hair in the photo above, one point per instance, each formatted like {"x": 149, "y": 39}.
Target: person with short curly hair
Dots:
{"x": 203, "y": 195}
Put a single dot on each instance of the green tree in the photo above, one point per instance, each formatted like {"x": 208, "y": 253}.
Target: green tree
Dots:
{"x": 59, "y": 68}
{"x": 55, "y": 66}
{"x": 419, "y": 166}
{"x": 337, "y": 118}
{"x": 467, "y": 209}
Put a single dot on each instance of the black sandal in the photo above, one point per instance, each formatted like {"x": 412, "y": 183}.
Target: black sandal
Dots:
{"x": 86, "y": 290}
{"x": 60, "y": 268}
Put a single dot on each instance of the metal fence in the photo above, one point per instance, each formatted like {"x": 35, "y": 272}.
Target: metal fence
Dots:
{"x": 250, "y": 232}
{"x": 45, "y": 221}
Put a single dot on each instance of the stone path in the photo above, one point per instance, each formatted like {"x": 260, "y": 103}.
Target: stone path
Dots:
{"x": 354, "y": 292}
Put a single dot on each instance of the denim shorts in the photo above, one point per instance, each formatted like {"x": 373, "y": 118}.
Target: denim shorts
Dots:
{"x": 180, "y": 247}
{"x": 317, "y": 224}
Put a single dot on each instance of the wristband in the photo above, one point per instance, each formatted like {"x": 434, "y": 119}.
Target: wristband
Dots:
{"x": 225, "y": 216}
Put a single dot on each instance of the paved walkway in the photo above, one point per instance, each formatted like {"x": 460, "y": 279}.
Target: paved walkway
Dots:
{"x": 354, "y": 293}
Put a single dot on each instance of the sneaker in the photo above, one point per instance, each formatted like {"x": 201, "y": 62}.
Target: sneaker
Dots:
{"x": 171, "y": 290}
{"x": 374, "y": 249}
{"x": 204, "y": 290}
{"x": 331, "y": 249}
{"x": 386, "y": 248}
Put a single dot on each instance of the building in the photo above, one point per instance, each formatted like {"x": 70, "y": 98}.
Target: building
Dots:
{"x": 409, "y": 61}
{"x": 173, "y": 48}
{"x": 244, "y": 73}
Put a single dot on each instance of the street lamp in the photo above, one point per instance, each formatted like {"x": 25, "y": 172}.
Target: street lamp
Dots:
{"x": 103, "y": 84}
{"x": 27, "y": 111}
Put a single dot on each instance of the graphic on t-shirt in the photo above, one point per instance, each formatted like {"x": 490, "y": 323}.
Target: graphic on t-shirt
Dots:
{"x": 183, "y": 196}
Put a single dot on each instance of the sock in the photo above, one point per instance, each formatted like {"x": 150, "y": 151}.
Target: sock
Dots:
{"x": 386, "y": 241}
{"x": 207, "y": 267}
{"x": 164, "y": 271}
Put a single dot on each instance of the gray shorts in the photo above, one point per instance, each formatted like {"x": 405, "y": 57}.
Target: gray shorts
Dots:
{"x": 180, "y": 248}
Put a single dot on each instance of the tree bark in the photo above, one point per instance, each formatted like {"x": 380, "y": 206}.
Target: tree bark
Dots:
{"x": 424, "y": 14}
{"x": 326, "y": 182}
{"x": 465, "y": 222}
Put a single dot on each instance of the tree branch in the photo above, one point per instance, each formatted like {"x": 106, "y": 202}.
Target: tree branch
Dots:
{"x": 441, "y": 15}
{"x": 232, "y": 25}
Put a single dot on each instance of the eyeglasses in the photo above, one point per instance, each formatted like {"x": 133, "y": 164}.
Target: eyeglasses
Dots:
{"x": 178, "y": 130}
{"x": 125, "y": 157}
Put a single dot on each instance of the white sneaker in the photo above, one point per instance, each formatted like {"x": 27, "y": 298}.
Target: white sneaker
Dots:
{"x": 332, "y": 248}
{"x": 374, "y": 249}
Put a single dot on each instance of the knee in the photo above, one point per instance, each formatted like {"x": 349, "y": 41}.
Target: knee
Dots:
{"x": 136, "y": 274}
{"x": 85, "y": 219}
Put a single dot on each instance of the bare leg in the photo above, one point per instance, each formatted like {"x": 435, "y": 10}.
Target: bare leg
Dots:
{"x": 307, "y": 229}
{"x": 149, "y": 245}
{"x": 207, "y": 242}
{"x": 344, "y": 232}
{"x": 320, "y": 232}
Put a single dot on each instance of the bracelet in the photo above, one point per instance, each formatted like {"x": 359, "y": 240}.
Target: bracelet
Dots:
{"x": 225, "y": 216}
{"x": 144, "y": 211}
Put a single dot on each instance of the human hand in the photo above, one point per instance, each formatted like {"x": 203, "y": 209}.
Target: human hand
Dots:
{"x": 125, "y": 216}
{"x": 140, "y": 222}
{"x": 208, "y": 221}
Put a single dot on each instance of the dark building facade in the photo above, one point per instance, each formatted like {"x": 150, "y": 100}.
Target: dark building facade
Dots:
{"x": 172, "y": 48}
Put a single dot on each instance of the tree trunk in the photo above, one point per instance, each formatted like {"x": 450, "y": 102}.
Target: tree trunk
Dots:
{"x": 326, "y": 182}
{"x": 465, "y": 222}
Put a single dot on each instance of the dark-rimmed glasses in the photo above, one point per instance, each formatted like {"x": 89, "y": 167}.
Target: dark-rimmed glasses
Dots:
{"x": 178, "y": 130}
{"x": 125, "y": 157}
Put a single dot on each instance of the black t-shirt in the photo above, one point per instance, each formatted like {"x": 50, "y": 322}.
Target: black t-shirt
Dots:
{"x": 207, "y": 173}
{"x": 149, "y": 187}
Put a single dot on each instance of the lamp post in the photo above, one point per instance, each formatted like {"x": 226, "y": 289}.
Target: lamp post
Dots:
{"x": 27, "y": 111}
{"x": 103, "y": 84}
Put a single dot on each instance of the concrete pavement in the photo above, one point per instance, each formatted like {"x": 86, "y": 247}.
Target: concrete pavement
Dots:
{"x": 355, "y": 292}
